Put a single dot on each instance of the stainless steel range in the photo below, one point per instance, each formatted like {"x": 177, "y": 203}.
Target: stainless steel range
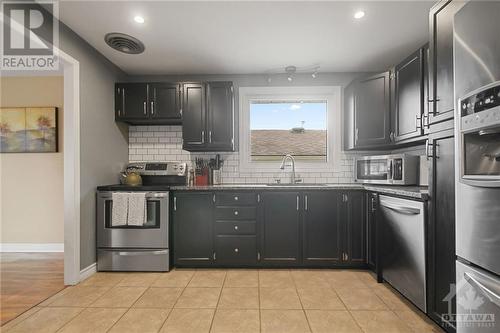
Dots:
{"x": 144, "y": 244}
{"x": 477, "y": 90}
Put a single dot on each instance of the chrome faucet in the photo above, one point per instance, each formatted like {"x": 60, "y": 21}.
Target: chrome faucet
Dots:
{"x": 282, "y": 166}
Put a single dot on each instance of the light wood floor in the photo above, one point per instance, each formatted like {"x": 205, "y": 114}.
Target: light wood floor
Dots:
{"x": 235, "y": 301}
{"x": 27, "y": 279}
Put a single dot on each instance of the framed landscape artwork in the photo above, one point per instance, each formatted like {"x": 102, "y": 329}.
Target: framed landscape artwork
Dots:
{"x": 28, "y": 130}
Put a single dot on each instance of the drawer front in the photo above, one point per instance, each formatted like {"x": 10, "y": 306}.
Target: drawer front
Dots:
{"x": 135, "y": 260}
{"x": 235, "y": 213}
{"x": 235, "y": 228}
{"x": 236, "y": 250}
{"x": 235, "y": 199}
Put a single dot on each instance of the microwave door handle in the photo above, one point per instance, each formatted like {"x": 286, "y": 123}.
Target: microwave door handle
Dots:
{"x": 391, "y": 171}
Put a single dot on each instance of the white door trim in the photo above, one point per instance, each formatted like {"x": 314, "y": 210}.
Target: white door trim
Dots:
{"x": 71, "y": 150}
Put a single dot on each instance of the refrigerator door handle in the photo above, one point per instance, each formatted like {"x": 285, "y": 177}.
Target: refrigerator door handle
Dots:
{"x": 494, "y": 298}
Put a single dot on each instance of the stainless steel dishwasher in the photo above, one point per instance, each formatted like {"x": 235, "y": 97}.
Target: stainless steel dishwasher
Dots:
{"x": 403, "y": 259}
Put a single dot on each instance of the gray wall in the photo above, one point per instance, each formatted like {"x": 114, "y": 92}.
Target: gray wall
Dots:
{"x": 103, "y": 143}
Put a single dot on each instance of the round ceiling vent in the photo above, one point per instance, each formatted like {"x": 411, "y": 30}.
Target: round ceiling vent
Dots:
{"x": 124, "y": 43}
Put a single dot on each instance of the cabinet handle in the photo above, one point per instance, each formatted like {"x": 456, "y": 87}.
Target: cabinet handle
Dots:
{"x": 214, "y": 255}
{"x": 144, "y": 108}
{"x": 235, "y": 227}
{"x": 391, "y": 136}
{"x": 236, "y": 198}
{"x": 152, "y": 107}
{"x": 373, "y": 204}
{"x": 123, "y": 100}
{"x": 210, "y": 136}
{"x": 175, "y": 203}
{"x": 297, "y": 202}
{"x": 305, "y": 203}
{"x": 258, "y": 256}
{"x": 213, "y": 198}
{"x": 418, "y": 121}
{"x": 236, "y": 250}
{"x": 425, "y": 121}
{"x": 236, "y": 213}
{"x": 427, "y": 150}
{"x": 356, "y": 135}
{"x": 346, "y": 257}
{"x": 202, "y": 136}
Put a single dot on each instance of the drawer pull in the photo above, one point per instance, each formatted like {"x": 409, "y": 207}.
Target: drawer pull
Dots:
{"x": 236, "y": 198}
{"x": 236, "y": 212}
{"x": 236, "y": 250}
{"x": 235, "y": 227}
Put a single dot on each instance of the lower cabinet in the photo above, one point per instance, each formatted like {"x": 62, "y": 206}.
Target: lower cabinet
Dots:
{"x": 321, "y": 228}
{"x": 352, "y": 216}
{"x": 192, "y": 228}
{"x": 280, "y": 228}
{"x": 274, "y": 228}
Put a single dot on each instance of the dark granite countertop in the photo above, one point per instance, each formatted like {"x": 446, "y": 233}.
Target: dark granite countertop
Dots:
{"x": 417, "y": 192}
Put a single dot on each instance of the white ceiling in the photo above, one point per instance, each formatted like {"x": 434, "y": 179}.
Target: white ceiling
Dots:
{"x": 253, "y": 37}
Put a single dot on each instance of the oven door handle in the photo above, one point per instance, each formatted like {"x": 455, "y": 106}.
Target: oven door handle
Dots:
{"x": 494, "y": 298}
{"x": 141, "y": 253}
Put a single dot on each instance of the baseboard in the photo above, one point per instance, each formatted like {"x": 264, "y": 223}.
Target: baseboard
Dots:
{"x": 31, "y": 247}
{"x": 88, "y": 271}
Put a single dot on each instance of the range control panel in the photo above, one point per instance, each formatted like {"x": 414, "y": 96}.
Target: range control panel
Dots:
{"x": 158, "y": 168}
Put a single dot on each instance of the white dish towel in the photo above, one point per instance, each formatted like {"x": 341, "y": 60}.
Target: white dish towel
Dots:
{"x": 136, "y": 208}
{"x": 119, "y": 213}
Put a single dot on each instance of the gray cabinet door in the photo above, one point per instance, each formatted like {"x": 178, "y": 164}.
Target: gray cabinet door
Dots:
{"x": 371, "y": 229}
{"x": 348, "y": 134}
{"x": 441, "y": 230}
{"x": 354, "y": 224}
{"x": 372, "y": 111}
{"x": 193, "y": 117}
{"x": 280, "y": 228}
{"x": 165, "y": 101}
{"x": 441, "y": 59}
{"x": 131, "y": 101}
{"x": 409, "y": 93}
{"x": 220, "y": 116}
{"x": 321, "y": 228}
{"x": 193, "y": 228}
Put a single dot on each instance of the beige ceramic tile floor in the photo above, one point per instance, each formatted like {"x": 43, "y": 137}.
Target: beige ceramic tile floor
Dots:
{"x": 230, "y": 301}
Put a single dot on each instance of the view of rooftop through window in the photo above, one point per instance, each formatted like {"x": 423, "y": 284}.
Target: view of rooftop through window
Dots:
{"x": 298, "y": 128}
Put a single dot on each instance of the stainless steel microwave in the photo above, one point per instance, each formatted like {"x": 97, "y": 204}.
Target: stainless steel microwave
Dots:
{"x": 398, "y": 169}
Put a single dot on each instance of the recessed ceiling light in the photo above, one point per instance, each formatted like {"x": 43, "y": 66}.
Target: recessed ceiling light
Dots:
{"x": 359, "y": 14}
{"x": 139, "y": 19}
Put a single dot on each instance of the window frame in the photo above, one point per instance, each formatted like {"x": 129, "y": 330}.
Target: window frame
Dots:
{"x": 330, "y": 94}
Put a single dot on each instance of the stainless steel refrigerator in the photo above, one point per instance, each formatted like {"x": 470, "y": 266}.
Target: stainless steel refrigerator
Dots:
{"x": 477, "y": 129}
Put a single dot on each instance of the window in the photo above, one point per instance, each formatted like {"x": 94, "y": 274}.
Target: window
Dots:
{"x": 296, "y": 127}
{"x": 301, "y": 121}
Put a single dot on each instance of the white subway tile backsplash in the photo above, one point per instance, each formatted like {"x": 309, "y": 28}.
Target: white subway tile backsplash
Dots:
{"x": 164, "y": 143}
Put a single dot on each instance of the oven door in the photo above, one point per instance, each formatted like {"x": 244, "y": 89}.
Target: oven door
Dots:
{"x": 374, "y": 170}
{"x": 152, "y": 235}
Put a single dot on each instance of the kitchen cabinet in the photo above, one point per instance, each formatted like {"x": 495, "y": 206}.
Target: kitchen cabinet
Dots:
{"x": 408, "y": 98}
{"x": 208, "y": 116}
{"x": 441, "y": 228}
{"x": 371, "y": 229}
{"x": 348, "y": 119}
{"x": 280, "y": 228}
{"x": 441, "y": 94}
{"x": 352, "y": 217}
{"x": 164, "y": 102}
{"x": 236, "y": 228}
{"x": 193, "y": 228}
{"x": 148, "y": 103}
{"x": 372, "y": 111}
{"x": 131, "y": 101}
{"x": 321, "y": 228}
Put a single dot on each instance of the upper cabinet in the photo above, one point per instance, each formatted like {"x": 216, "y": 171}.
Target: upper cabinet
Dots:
{"x": 441, "y": 60}
{"x": 408, "y": 98}
{"x": 148, "y": 103}
{"x": 367, "y": 112}
{"x": 205, "y": 110}
{"x": 208, "y": 116}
